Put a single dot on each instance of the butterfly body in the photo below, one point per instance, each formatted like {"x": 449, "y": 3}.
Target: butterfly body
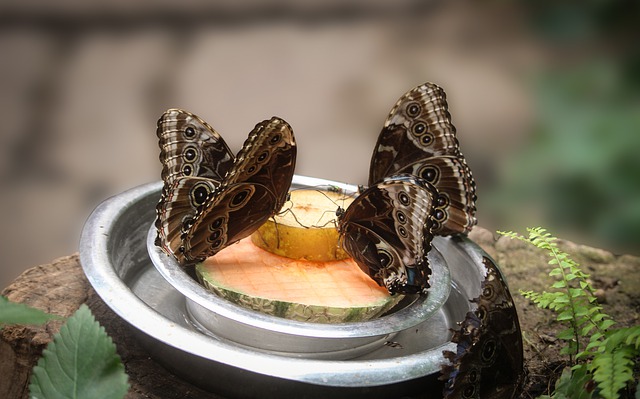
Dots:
{"x": 211, "y": 198}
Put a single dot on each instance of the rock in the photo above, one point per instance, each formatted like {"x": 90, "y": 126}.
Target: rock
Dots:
{"x": 595, "y": 254}
{"x": 57, "y": 288}
{"x": 482, "y": 236}
{"x": 60, "y": 288}
{"x": 601, "y": 295}
{"x": 505, "y": 244}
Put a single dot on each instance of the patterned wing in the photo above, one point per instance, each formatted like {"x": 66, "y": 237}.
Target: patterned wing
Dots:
{"x": 489, "y": 358}
{"x": 177, "y": 208}
{"x": 387, "y": 231}
{"x": 255, "y": 189}
{"x": 455, "y": 206}
{"x": 418, "y": 138}
{"x": 195, "y": 159}
{"x": 189, "y": 146}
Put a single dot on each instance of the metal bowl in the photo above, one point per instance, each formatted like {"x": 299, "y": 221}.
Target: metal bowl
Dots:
{"x": 222, "y": 318}
{"x": 113, "y": 253}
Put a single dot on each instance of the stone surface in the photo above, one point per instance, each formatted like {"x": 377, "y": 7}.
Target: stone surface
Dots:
{"x": 60, "y": 288}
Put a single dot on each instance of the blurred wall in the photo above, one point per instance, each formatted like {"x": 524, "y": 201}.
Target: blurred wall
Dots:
{"x": 83, "y": 85}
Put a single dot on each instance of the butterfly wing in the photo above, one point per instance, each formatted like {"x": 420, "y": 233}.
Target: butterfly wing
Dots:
{"x": 455, "y": 207}
{"x": 194, "y": 160}
{"x": 418, "y": 138}
{"x": 177, "y": 209}
{"x": 254, "y": 190}
{"x": 387, "y": 231}
{"x": 488, "y": 362}
{"x": 189, "y": 146}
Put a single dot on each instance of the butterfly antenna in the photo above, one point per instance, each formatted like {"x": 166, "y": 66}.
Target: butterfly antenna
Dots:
{"x": 339, "y": 209}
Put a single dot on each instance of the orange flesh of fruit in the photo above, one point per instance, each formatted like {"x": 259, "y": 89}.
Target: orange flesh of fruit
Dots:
{"x": 252, "y": 271}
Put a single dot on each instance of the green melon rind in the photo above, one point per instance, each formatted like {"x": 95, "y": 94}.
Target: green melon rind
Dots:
{"x": 295, "y": 311}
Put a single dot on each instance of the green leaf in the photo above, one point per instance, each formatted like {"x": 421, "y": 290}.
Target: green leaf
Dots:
{"x": 576, "y": 292}
{"x": 19, "y": 313}
{"x": 587, "y": 329}
{"x": 80, "y": 362}
{"x": 566, "y": 335}
{"x": 606, "y": 324}
{"x": 612, "y": 371}
{"x": 555, "y": 272}
{"x": 571, "y": 383}
{"x": 565, "y": 315}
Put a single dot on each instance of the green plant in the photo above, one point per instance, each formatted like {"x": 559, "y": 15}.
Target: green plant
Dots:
{"x": 596, "y": 351}
{"x": 80, "y": 362}
{"x": 19, "y": 313}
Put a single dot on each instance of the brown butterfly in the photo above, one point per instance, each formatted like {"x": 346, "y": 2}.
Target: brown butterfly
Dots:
{"x": 488, "y": 362}
{"x": 387, "y": 231}
{"x": 419, "y": 138}
{"x": 210, "y": 198}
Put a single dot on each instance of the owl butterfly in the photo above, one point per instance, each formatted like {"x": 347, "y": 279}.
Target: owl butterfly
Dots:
{"x": 210, "y": 197}
{"x": 418, "y": 138}
{"x": 488, "y": 362}
{"x": 387, "y": 231}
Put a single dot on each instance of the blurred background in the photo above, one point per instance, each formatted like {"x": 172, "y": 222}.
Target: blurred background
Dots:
{"x": 545, "y": 97}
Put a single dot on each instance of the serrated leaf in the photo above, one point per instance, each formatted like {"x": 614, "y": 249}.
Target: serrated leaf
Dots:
{"x": 566, "y": 335}
{"x": 555, "y": 272}
{"x": 565, "y": 315}
{"x": 559, "y": 284}
{"x": 19, "y": 313}
{"x": 606, "y": 324}
{"x": 80, "y": 362}
{"x": 612, "y": 372}
{"x": 587, "y": 329}
{"x": 571, "y": 383}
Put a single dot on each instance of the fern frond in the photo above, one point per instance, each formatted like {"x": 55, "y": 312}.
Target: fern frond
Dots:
{"x": 572, "y": 382}
{"x": 628, "y": 336}
{"x": 573, "y": 300}
{"x": 611, "y": 352}
{"x": 612, "y": 371}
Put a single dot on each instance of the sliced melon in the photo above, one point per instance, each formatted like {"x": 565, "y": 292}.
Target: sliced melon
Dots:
{"x": 292, "y": 267}
{"x": 321, "y": 292}
{"x": 306, "y": 228}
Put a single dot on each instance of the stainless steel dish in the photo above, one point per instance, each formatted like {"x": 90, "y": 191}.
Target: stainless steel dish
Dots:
{"x": 222, "y": 318}
{"x": 113, "y": 252}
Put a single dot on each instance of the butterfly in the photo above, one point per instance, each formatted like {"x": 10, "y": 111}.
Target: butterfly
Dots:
{"x": 417, "y": 153}
{"x": 418, "y": 138}
{"x": 387, "y": 231}
{"x": 211, "y": 198}
{"x": 488, "y": 362}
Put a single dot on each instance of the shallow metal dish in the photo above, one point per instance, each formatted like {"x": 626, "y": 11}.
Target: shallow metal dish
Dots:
{"x": 113, "y": 253}
{"x": 295, "y": 338}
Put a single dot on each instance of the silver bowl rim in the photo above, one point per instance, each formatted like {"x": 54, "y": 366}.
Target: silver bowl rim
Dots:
{"x": 95, "y": 259}
{"x": 419, "y": 310}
